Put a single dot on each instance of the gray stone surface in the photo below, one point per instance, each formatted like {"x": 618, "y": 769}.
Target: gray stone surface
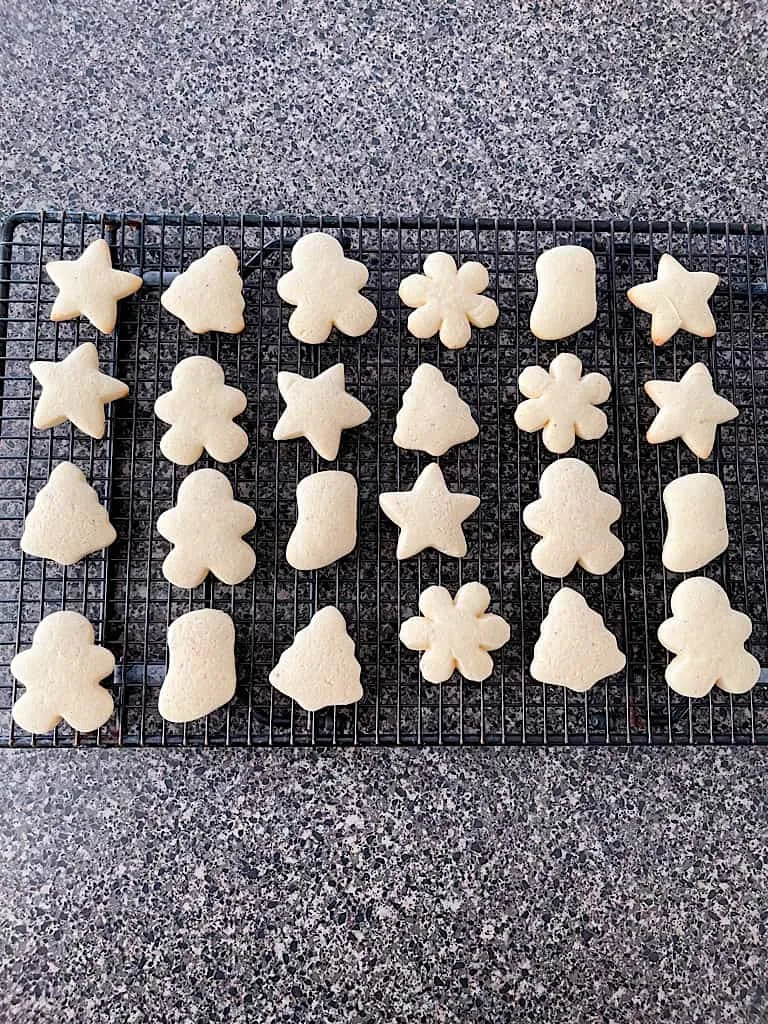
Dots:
{"x": 385, "y": 886}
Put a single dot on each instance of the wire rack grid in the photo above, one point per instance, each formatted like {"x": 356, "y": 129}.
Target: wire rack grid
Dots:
{"x": 122, "y": 590}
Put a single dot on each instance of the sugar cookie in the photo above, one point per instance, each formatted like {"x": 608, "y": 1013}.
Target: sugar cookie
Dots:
{"x": 326, "y": 524}
{"x": 448, "y": 300}
{"x": 320, "y": 669}
{"x": 707, "y": 636}
{"x": 61, "y": 672}
{"x": 697, "y": 530}
{"x": 433, "y": 418}
{"x": 676, "y": 299}
{"x": 575, "y": 649}
{"x": 318, "y": 408}
{"x": 208, "y": 296}
{"x": 429, "y": 515}
{"x": 325, "y": 288}
{"x": 200, "y": 408}
{"x": 566, "y": 299}
{"x": 206, "y": 526}
{"x": 201, "y": 673}
{"x": 455, "y": 633}
{"x": 67, "y": 521}
{"x": 89, "y": 287}
{"x": 573, "y": 517}
{"x": 689, "y": 409}
{"x": 562, "y": 402}
{"x": 74, "y": 389}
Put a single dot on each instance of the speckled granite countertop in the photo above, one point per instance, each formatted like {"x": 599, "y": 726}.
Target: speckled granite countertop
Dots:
{"x": 392, "y": 885}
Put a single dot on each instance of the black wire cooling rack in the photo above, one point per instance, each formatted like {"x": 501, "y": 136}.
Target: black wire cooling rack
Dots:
{"x": 123, "y": 593}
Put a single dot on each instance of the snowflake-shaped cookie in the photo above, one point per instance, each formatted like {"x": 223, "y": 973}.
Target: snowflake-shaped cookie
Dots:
{"x": 455, "y": 633}
{"x": 707, "y": 636}
{"x": 573, "y": 517}
{"x": 562, "y": 402}
{"x": 448, "y": 300}
{"x": 200, "y": 408}
{"x": 324, "y": 286}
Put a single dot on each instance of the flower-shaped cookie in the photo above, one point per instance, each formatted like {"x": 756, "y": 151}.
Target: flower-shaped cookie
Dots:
{"x": 324, "y": 286}
{"x": 573, "y": 517}
{"x": 455, "y": 633}
{"x": 200, "y": 408}
{"x": 448, "y": 300}
{"x": 690, "y": 409}
{"x": 89, "y": 287}
{"x": 206, "y": 526}
{"x": 562, "y": 402}
{"x": 707, "y": 636}
{"x": 61, "y": 672}
{"x": 676, "y": 299}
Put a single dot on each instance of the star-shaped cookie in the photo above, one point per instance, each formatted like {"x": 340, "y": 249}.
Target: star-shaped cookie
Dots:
{"x": 690, "y": 409}
{"x": 74, "y": 389}
{"x": 429, "y": 515}
{"x": 318, "y": 408}
{"x": 677, "y": 298}
{"x": 89, "y": 287}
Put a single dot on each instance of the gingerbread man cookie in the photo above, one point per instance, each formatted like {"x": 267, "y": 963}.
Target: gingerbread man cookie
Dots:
{"x": 324, "y": 285}
{"x": 448, "y": 300}
{"x": 206, "y": 526}
{"x": 707, "y": 636}
{"x": 562, "y": 404}
{"x": 74, "y": 389}
{"x": 208, "y": 296}
{"x": 200, "y": 408}
{"x": 455, "y": 633}
{"x": 61, "y": 672}
{"x": 573, "y": 517}
{"x": 89, "y": 287}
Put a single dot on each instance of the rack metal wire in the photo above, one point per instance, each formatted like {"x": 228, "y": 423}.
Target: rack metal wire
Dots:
{"x": 122, "y": 590}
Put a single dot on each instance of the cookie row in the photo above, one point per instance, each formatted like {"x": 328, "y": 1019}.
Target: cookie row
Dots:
{"x": 324, "y": 285}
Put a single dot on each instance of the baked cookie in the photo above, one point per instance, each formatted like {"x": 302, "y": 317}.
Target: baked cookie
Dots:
{"x": 707, "y": 636}
{"x": 697, "y": 530}
{"x": 575, "y": 649}
{"x": 676, "y": 299}
{"x": 67, "y": 521}
{"x": 200, "y": 408}
{"x": 201, "y": 673}
{"x": 448, "y": 300}
{"x": 455, "y": 633}
{"x": 433, "y": 418}
{"x": 61, "y": 672}
{"x": 206, "y": 526}
{"x": 325, "y": 288}
{"x": 566, "y": 299}
{"x": 318, "y": 408}
{"x": 429, "y": 515}
{"x": 74, "y": 389}
{"x": 689, "y": 409}
{"x": 561, "y": 403}
{"x": 573, "y": 517}
{"x": 326, "y": 524}
{"x": 208, "y": 296}
{"x": 89, "y": 287}
{"x": 320, "y": 669}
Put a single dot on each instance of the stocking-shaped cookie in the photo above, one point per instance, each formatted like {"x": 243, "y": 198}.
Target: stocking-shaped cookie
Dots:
{"x": 575, "y": 649}
{"x": 707, "y": 636}
{"x": 573, "y": 517}
{"x": 326, "y": 521}
{"x": 200, "y": 408}
{"x": 206, "y": 526}
{"x": 201, "y": 666}
{"x": 67, "y": 521}
{"x": 448, "y": 300}
{"x": 324, "y": 286}
{"x": 433, "y": 418}
{"x": 320, "y": 669}
{"x": 455, "y": 633}
{"x": 566, "y": 299}
{"x": 208, "y": 296}
{"x": 61, "y": 672}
